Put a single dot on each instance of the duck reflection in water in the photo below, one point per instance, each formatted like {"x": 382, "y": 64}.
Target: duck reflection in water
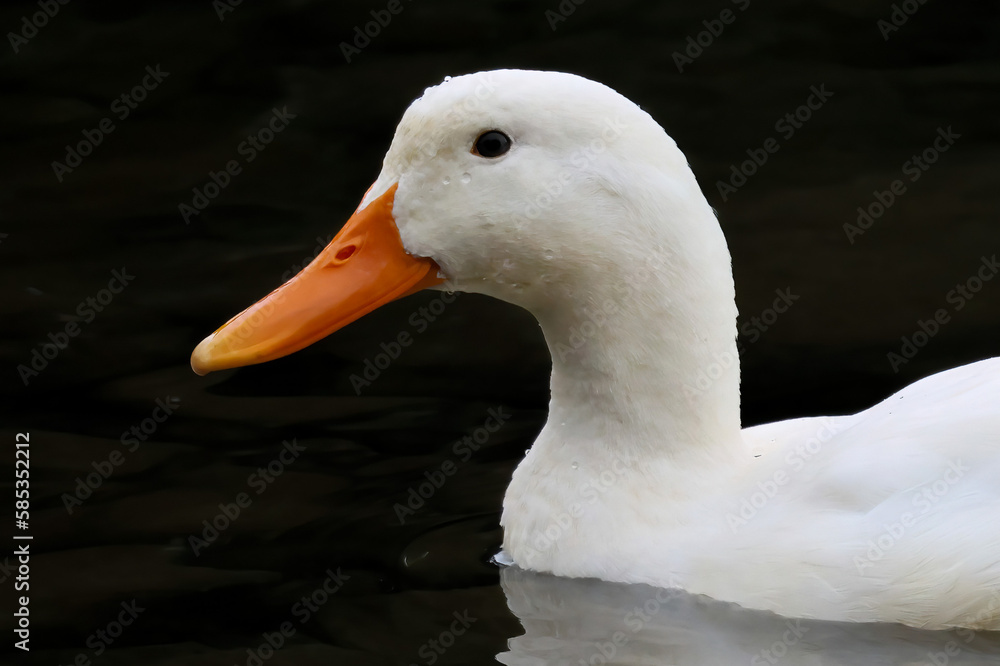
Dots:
{"x": 589, "y": 622}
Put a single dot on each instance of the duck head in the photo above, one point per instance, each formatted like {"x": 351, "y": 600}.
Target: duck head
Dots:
{"x": 543, "y": 189}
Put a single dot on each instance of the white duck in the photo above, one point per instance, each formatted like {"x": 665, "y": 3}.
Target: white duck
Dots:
{"x": 557, "y": 194}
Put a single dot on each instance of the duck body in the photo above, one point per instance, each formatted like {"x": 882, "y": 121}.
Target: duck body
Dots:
{"x": 588, "y": 215}
{"x": 882, "y": 516}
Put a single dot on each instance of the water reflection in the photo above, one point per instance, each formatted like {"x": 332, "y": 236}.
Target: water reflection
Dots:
{"x": 585, "y": 622}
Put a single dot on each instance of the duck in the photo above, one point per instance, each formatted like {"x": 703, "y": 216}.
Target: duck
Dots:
{"x": 557, "y": 194}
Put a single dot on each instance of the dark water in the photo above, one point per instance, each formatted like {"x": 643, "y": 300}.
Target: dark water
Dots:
{"x": 329, "y": 514}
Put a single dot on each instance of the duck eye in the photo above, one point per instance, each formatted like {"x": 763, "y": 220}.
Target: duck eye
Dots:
{"x": 491, "y": 144}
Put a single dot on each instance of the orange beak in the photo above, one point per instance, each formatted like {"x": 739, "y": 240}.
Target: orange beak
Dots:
{"x": 365, "y": 266}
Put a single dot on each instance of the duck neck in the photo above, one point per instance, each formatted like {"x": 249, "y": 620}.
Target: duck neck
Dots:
{"x": 645, "y": 366}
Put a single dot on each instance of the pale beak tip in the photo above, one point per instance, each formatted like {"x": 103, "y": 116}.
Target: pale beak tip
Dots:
{"x": 201, "y": 357}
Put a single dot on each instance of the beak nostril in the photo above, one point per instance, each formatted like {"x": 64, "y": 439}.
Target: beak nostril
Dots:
{"x": 345, "y": 253}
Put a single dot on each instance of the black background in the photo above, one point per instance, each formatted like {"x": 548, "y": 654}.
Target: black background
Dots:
{"x": 333, "y": 507}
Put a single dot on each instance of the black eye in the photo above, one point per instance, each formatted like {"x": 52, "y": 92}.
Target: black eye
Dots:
{"x": 491, "y": 144}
